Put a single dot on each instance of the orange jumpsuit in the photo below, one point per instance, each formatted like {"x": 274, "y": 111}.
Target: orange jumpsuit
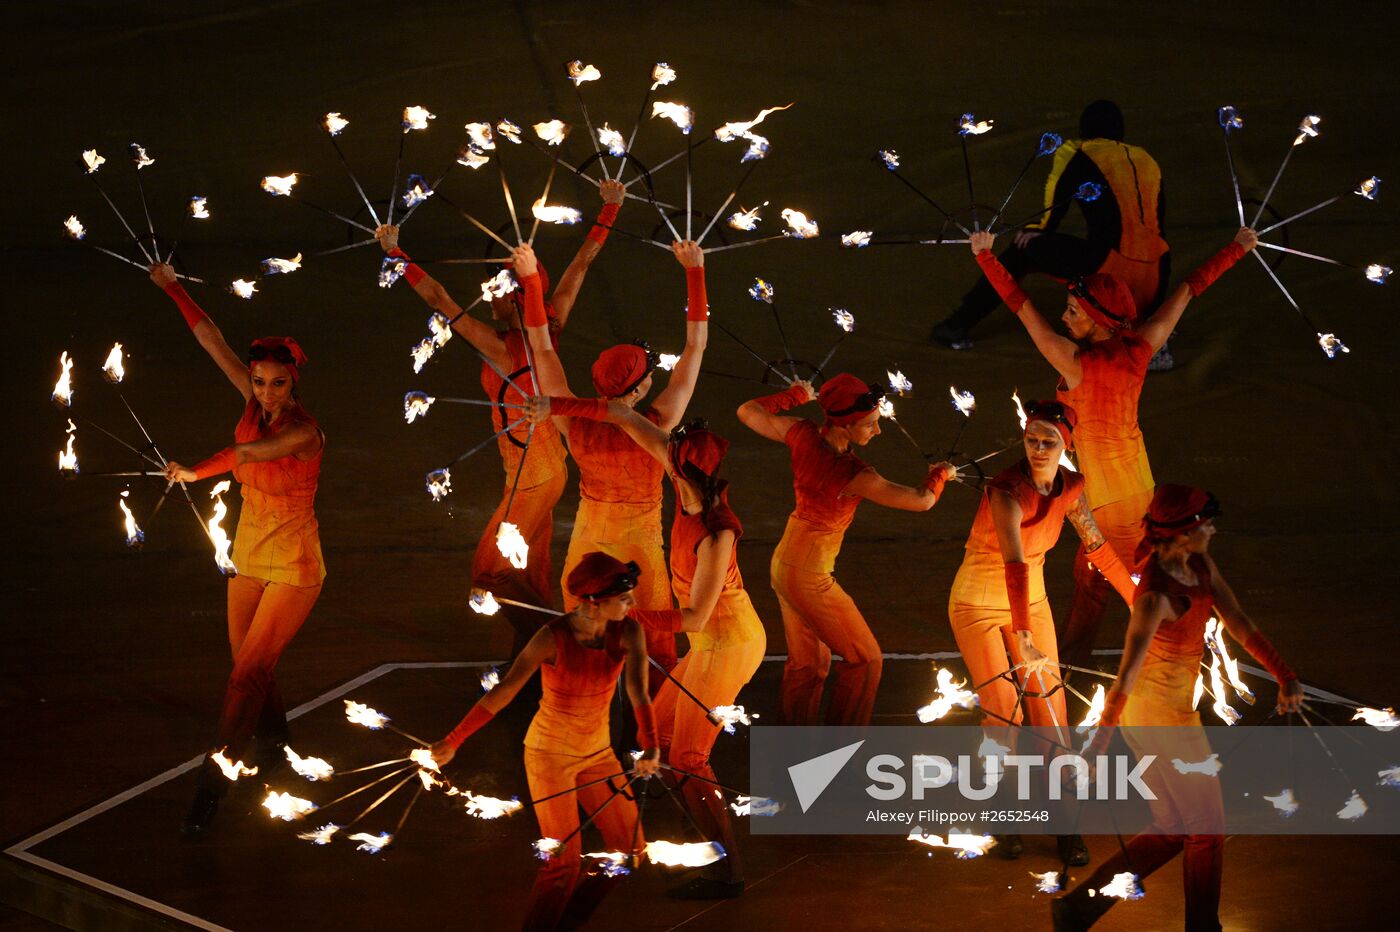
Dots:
{"x": 1117, "y": 478}
{"x": 619, "y": 513}
{"x": 818, "y": 616}
{"x": 277, "y": 552}
{"x": 721, "y": 660}
{"x": 978, "y": 606}
{"x": 1188, "y": 813}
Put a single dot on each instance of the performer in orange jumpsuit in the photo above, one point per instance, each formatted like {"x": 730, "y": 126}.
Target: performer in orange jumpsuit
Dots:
{"x": 727, "y": 640}
{"x": 276, "y": 458}
{"x": 619, "y": 483}
{"x": 830, "y": 481}
{"x": 998, "y": 604}
{"x": 1181, "y": 586}
{"x": 579, "y": 656}
{"x": 1102, "y": 366}
{"x": 545, "y": 470}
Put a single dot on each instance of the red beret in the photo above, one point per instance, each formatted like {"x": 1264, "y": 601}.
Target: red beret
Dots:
{"x": 1177, "y": 509}
{"x": 284, "y": 350}
{"x": 701, "y": 448}
{"x": 620, "y": 369}
{"x": 846, "y": 399}
{"x": 600, "y": 576}
{"x": 1106, "y": 299}
{"x": 1057, "y": 414}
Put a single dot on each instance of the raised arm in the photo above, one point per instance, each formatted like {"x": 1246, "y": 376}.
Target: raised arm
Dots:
{"x": 1096, "y": 547}
{"x": 1247, "y": 633}
{"x": 481, "y": 335}
{"x": 711, "y": 568}
{"x": 540, "y": 649}
{"x": 297, "y": 439}
{"x": 566, "y": 292}
{"x": 634, "y": 675}
{"x": 1060, "y": 351}
{"x": 643, "y": 432}
{"x": 549, "y": 374}
{"x": 204, "y": 329}
{"x": 869, "y": 484}
{"x": 764, "y": 415}
{"x": 672, "y": 402}
{"x": 1156, "y": 330}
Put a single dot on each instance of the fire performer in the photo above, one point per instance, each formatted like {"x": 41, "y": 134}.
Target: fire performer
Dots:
{"x": 727, "y": 639}
{"x": 580, "y": 656}
{"x": 1181, "y": 586}
{"x": 998, "y": 604}
{"x": 830, "y": 481}
{"x": 1102, "y": 366}
{"x": 545, "y": 469}
{"x": 619, "y": 482}
{"x": 1124, "y": 226}
{"x": 276, "y": 457}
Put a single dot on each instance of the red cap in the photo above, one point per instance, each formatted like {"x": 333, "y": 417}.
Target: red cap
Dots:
{"x": 600, "y": 576}
{"x": 846, "y": 399}
{"x": 1106, "y": 299}
{"x": 1177, "y": 509}
{"x": 284, "y": 350}
{"x": 1055, "y": 413}
{"x": 698, "y": 447}
{"x": 620, "y": 369}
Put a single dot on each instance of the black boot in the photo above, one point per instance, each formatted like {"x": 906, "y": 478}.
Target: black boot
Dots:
{"x": 201, "y": 815}
{"x": 1009, "y": 846}
{"x": 1072, "y": 850}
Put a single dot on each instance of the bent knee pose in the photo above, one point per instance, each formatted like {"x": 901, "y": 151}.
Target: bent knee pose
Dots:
{"x": 830, "y": 482}
{"x": 1180, "y": 588}
{"x": 276, "y": 458}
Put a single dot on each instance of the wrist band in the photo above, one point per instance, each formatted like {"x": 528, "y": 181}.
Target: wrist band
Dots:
{"x": 1018, "y": 594}
{"x": 534, "y": 302}
{"x": 192, "y": 312}
{"x": 1002, "y": 281}
{"x": 697, "y": 308}
{"x": 601, "y": 228}
{"x": 1214, "y": 267}
{"x": 473, "y": 720}
{"x": 790, "y": 397}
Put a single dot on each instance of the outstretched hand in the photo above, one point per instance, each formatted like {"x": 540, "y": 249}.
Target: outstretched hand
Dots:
{"x": 388, "y": 236}
{"x": 537, "y": 408}
{"x": 980, "y": 241}
{"x": 174, "y": 472}
{"x": 1033, "y": 659}
{"x": 1290, "y": 697}
{"x": 613, "y": 191}
{"x": 811, "y": 391}
{"x": 524, "y": 261}
{"x": 689, "y": 254}
{"x": 442, "y": 752}
{"x": 163, "y": 273}
{"x": 1247, "y": 238}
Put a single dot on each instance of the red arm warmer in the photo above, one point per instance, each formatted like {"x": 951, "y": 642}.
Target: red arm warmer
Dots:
{"x": 413, "y": 273}
{"x": 1018, "y": 592}
{"x": 595, "y": 409}
{"x": 646, "y": 727}
{"x": 1261, "y": 650}
{"x": 1106, "y": 560}
{"x": 220, "y": 462}
{"x": 534, "y": 301}
{"x": 668, "y": 620}
{"x": 697, "y": 306}
{"x": 935, "y": 482}
{"x": 790, "y": 397}
{"x": 606, "y": 216}
{"x": 1214, "y": 267}
{"x": 1112, "y": 711}
{"x": 193, "y": 312}
{"x": 1001, "y": 280}
{"x": 474, "y": 719}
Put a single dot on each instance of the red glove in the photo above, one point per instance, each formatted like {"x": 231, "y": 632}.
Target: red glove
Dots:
{"x": 219, "y": 463}
{"x": 606, "y": 217}
{"x": 697, "y": 307}
{"x": 478, "y": 716}
{"x": 646, "y": 726}
{"x": 1106, "y": 560}
{"x": 535, "y": 315}
{"x": 1261, "y": 650}
{"x": 1112, "y": 712}
{"x": 413, "y": 273}
{"x": 595, "y": 409}
{"x": 790, "y": 397}
{"x": 1018, "y": 592}
{"x": 192, "y": 312}
{"x": 1002, "y": 281}
{"x": 1214, "y": 267}
{"x": 936, "y": 481}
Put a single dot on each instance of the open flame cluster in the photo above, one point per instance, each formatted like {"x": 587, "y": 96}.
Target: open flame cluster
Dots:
{"x": 799, "y": 226}
{"x": 275, "y": 266}
{"x": 1331, "y": 344}
{"x": 416, "y": 405}
{"x": 391, "y": 270}
{"x": 112, "y": 368}
{"x": 886, "y": 408}
{"x": 286, "y": 807}
{"x": 279, "y": 185}
{"x": 667, "y": 361}
{"x": 551, "y": 133}
{"x": 730, "y": 716}
{"x": 1379, "y": 719}
{"x": 746, "y": 220}
{"x": 761, "y": 290}
{"x": 74, "y": 227}
{"x": 612, "y": 140}
{"x": 758, "y": 145}
{"x": 320, "y": 836}
{"x": 1369, "y": 189}
{"x": 679, "y": 114}
{"x": 135, "y": 537}
{"x": 483, "y": 602}
{"x": 1378, "y": 274}
{"x": 1048, "y": 882}
{"x": 963, "y": 844}
{"x": 416, "y": 190}
{"x": 1285, "y": 802}
{"x": 662, "y": 74}
{"x": 139, "y": 156}
{"x": 416, "y": 118}
{"x": 1353, "y": 809}
{"x": 199, "y": 207}
{"x": 63, "y": 388}
{"x": 490, "y": 679}
{"x": 856, "y": 239}
{"x": 899, "y": 382}
{"x": 357, "y": 713}
{"x": 1088, "y": 191}
{"x": 1123, "y": 886}
{"x": 439, "y": 483}
{"x": 68, "y": 458}
{"x": 1230, "y": 119}
{"x": 231, "y": 769}
{"x": 92, "y": 161}
{"x": 372, "y": 844}
{"x": 844, "y": 319}
{"x": 579, "y": 72}
{"x": 689, "y": 854}
{"x": 964, "y": 402}
{"x": 334, "y": 123}
{"x": 755, "y": 806}
{"x": 547, "y": 213}
{"x": 1307, "y": 129}
{"x": 498, "y": 286}
{"x": 1209, "y": 767}
{"x": 312, "y": 768}
{"x": 512, "y": 545}
{"x": 889, "y": 157}
{"x": 241, "y": 288}
{"x": 439, "y": 332}
{"x": 969, "y": 125}
{"x": 950, "y": 694}
{"x": 1049, "y": 144}
{"x": 480, "y": 141}
{"x": 217, "y": 535}
{"x": 489, "y": 807}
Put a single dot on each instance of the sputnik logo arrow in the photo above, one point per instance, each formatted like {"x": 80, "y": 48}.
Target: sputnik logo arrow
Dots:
{"x": 811, "y": 777}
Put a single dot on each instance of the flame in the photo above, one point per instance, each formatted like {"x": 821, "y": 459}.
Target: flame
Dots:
{"x": 509, "y": 131}
{"x": 334, "y": 123}
{"x": 964, "y": 402}
{"x": 755, "y": 806}
{"x": 512, "y": 545}
{"x": 1216, "y": 642}
{"x": 320, "y": 836}
{"x": 135, "y": 537}
{"x": 798, "y": 224}
{"x": 611, "y": 863}
{"x": 1230, "y": 119}
{"x": 1088, "y": 191}
{"x": 429, "y": 781}
{"x": 112, "y": 368}
{"x": 746, "y": 219}
{"x": 667, "y": 361}
{"x": 1284, "y": 802}
{"x": 1198, "y": 691}
{"x": 856, "y": 239}
{"x": 966, "y": 846}
{"x": 678, "y": 114}
{"x": 63, "y": 388}
{"x": 1124, "y": 886}
{"x": 276, "y": 266}
{"x": 439, "y": 483}
{"x": 498, "y": 286}
{"x": 548, "y": 214}
{"x": 1209, "y": 767}
{"x": 199, "y": 207}
{"x": 1021, "y": 415}
{"x": 1307, "y": 128}
{"x": 489, "y": 807}
{"x": 242, "y": 288}
{"x": 416, "y": 190}
{"x": 1049, "y": 882}
{"x": 1354, "y": 809}
{"x": 357, "y": 713}
{"x": 139, "y": 156}
{"x": 1390, "y": 777}
{"x": 731, "y": 715}
{"x": 1369, "y": 189}
{"x": 1222, "y": 708}
{"x": 372, "y": 843}
{"x": 691, "y": 854}
{"x": 761, "y": 290}
{"x": 230, "y": 769}
{"x": 899, "y": 383}
{"x": 844, "y": 319}
{"x": 424, "y": 759}
{"x": 216, "y": 531}
{"x": 1377, "y": 273}
{"x": 74, "y": 227}
{"x": 1049, "y": 144}
{"x": 969, "y": 125}
{"x": 68, "y": 459}
{"x": 612, "y": 140}
{"x": 889, "y": 157}
{"x": 92, "y": 160}
{"x": 662, "y": 74}
{"x": 1331, "y": 344}
{"x": 579, "y": 72}
{"x": 490, "y": 680}
{"x": 440, "y": 329}
{"x": 949, "y": 694}
{"x": 279, "y": 185}
{"x": 286, "y": 807}
{"x": 479, "y": 136}
{"x": 1379, "y": 719}
{"x": 422, "y": 353}
{"x": 758, "y": 145}
{"x": 312, "y": 768}
{"x": 551, "y": 133}
{"x": 546, "y": 847}
{"x": 483, "y": 602}
{"x": 472, "y": 157}
{"x": 416, "y": 118}
{"x": 391, "y": 270}
{"x": 415, "y": 405}
{"x": 1094, "y": 714}
{"x": 991, "y": 747}
{"x": 886, "y": 408}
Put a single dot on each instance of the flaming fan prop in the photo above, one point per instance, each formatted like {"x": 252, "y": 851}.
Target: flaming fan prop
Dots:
{"x": 148, "y": 244}
{"x": 150, "y": 461}
{"x": 1368, "y": 189}
{"x": 763, "y": 292}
